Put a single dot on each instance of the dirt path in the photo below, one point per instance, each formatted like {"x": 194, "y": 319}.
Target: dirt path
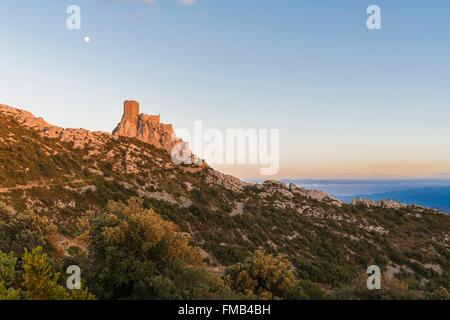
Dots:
{"x": 35, "y": 184}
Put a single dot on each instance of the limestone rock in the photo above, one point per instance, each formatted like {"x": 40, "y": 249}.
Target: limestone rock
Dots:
{"x": 146, "y": 128}
{"x": 80, "y": 137}
{"x": 391, "y": 204}
{"x": 229, "y": 182}
{"x": 314, "y": 195}
{"x": 386, "y": 203}
{"x": 364, "y": 202}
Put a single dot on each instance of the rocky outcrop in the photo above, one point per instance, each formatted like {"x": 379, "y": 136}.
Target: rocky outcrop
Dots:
{"x": 27, "y": 119}
{"x": 386, "y": 203}
{"x": 149, "y": 129}
{"x": 146, "y": 128}
{"x": 234, "y": 184}
{"x": 289, "y": 193}
{"x": 81, "y": 138}
{"x": 314, "y": 194}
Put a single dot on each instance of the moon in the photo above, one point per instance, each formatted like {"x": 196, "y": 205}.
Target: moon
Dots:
{"x": 87, "y": 39}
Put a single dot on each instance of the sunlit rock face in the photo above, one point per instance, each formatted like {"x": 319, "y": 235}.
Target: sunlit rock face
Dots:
{"x": 80, "y": 138}
{"x": 128, "y": 126}
{"x": 146, "y": 128}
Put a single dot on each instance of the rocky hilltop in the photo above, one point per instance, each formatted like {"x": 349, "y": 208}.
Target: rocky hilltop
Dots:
{"x": 146, "y": 128}
{"x": 80, "y": 137}
{"x": 68, "y": 175}
{"x": 386, "y": 203}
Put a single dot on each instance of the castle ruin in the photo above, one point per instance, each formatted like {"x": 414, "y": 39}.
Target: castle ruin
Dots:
{"x": 146, "y": 128}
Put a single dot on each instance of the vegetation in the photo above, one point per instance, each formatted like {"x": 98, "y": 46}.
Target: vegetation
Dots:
{"x": 181, "y": 240}
{"x": 262, "y": 276}
{"x": 35, "y": 280}
{"x": 26, "y": 231}
{"x": 134, "y": 254}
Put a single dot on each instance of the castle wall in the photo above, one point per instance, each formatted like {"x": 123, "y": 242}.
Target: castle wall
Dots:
{"x": 167, "y": 127}
{"x": 155, "y": 119}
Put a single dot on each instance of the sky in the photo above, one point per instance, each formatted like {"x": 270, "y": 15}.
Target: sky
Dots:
{"x": 348, "y": 101}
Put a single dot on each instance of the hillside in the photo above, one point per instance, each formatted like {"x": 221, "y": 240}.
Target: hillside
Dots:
{"x": 70, "y": 174}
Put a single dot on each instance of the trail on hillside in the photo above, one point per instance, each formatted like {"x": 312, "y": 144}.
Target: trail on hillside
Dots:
{"x": 36, "y": 184}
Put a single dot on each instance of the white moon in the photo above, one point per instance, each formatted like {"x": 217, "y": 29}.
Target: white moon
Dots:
{"x": 87, "y": 39}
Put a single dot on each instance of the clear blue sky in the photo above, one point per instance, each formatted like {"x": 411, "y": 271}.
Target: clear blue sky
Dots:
{"x": 348, "y": 101}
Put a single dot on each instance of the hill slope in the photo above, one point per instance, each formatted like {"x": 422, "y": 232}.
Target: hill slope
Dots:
{"x": 68, "y": 174}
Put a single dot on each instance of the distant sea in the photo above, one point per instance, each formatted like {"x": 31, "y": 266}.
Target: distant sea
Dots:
{"x": 432, "y": 193}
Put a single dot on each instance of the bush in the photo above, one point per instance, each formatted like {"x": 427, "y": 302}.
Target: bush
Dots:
{"x": 262, "y": 276}
{"x": 391, "y": 289}
{"x": 28, "y": 230}
{"x": 136, "y": 254}
{"x": 35, "y": 281}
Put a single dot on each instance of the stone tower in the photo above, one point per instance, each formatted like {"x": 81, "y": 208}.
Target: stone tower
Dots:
{"x": 128, "y": 126}
{"x": 131, "y": 109}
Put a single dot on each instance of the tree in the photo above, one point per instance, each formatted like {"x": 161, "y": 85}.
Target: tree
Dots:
{"x": 134, "y": 253}
{"x": 7, "y": 268}
{"x": 39, "y": 281}
{"x": 262, "y": 276}
{"x": 7, "y": 276}
{"x": 28, "y": 230}
{"x": 8, "y": 293}
{"x": 35, "y": 281}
